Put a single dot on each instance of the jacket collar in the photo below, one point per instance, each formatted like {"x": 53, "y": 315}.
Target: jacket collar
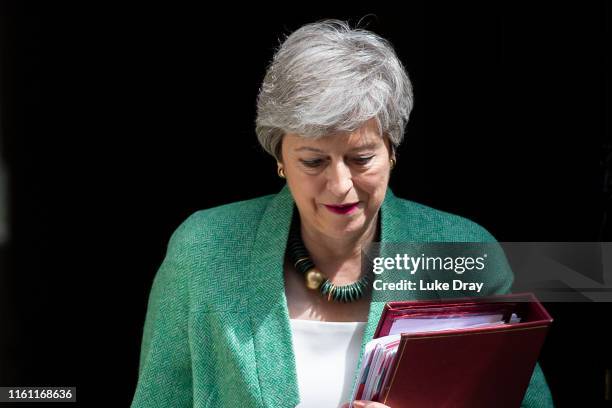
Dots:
{"x": 268, "y": 303}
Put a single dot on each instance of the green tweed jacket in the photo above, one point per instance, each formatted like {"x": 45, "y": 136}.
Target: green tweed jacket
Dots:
{"x": 217, "y": 330}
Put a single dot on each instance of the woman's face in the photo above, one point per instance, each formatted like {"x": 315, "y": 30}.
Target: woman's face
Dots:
{"x": 337, "y": 170}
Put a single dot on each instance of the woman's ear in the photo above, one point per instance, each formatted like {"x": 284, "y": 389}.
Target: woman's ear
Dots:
{"x": 279, "y": 150}
{"x": 391, "y": 150}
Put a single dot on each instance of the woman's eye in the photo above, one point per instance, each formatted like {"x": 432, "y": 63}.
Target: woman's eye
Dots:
{"x": 363, "y": 160}
{"x": 312, "y": 163}
{"x": 318, "y": 162}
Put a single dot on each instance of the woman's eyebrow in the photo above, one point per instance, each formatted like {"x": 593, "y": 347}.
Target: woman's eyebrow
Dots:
{"x": 372, "y": 145}
{"x": 314, "y": 149}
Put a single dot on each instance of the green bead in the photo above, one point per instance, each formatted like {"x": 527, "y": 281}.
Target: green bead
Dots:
{"x": 346, "y": 293}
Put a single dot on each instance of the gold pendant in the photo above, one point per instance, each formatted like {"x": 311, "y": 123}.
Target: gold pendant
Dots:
{"x": 314, "y": 279}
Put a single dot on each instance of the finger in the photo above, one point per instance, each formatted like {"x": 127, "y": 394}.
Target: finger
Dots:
{"x": 368, "y": 404}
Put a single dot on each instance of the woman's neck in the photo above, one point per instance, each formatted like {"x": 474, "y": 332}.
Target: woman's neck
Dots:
{"x": 339, "y": 258}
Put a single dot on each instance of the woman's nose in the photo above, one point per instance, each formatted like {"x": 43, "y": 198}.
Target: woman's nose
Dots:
{"x": 339, "y": 179}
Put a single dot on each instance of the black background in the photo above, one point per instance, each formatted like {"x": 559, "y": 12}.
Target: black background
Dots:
{"x": 120, "y": 121}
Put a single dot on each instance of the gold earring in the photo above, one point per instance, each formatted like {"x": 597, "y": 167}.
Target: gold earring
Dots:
{"x": 392, "y": 161}
{"x": 281, "y": 172}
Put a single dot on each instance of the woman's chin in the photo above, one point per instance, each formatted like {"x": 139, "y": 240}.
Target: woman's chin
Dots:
{"x": 341, "y": 230}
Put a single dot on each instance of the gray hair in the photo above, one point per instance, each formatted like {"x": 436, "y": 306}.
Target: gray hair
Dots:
{"x": 328, "y": 78}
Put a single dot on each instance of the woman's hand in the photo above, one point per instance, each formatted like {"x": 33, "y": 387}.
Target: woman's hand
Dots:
{"x": 365, "y": 404}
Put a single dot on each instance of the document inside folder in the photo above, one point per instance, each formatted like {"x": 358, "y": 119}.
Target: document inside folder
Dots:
{"x": 427, "y": 324}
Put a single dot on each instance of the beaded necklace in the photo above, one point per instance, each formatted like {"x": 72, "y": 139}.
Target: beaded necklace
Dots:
{"x": 314, "y": 278}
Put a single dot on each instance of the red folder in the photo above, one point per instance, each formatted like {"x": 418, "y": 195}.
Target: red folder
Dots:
{"x": 476, "y": 367}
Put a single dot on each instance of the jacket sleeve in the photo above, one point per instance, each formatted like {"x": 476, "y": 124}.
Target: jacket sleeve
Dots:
{"x": 538, "y": 394}
{"x": 164, "y": 375}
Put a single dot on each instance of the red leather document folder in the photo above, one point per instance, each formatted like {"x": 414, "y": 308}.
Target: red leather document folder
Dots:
{"x": 488, "y": 366}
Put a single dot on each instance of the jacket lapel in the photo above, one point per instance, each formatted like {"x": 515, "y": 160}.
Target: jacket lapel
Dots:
{"x": 390, "y": 232}
{"x": 268, "y": 304}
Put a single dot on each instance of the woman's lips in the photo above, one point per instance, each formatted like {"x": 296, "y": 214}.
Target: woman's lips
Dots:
{"x": 346, "y": 209}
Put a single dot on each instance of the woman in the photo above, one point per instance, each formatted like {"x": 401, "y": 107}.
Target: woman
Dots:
{"x": 262, "y": 303}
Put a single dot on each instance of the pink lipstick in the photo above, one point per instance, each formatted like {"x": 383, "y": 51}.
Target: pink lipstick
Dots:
{"x": 342, "y": 209}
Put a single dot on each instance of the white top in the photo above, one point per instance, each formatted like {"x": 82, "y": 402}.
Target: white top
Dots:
{"x": 326, "y": 356}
